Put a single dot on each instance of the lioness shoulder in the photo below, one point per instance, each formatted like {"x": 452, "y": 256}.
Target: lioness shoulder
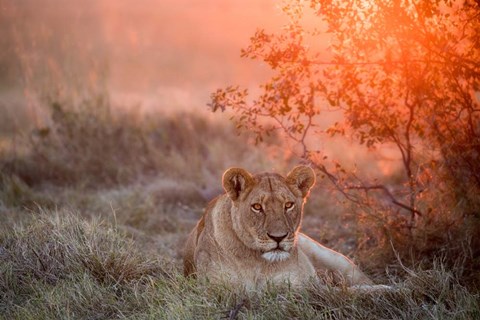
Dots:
{"x": 250, "y": 235}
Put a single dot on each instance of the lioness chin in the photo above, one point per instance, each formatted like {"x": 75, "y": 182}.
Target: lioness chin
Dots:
{"x": 250, "y": 235}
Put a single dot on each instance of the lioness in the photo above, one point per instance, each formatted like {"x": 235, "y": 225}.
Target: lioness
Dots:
{"x": 250, "y": 235}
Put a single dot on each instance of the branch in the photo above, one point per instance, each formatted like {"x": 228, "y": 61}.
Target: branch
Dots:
{"x": 334, "y": 180}
{"x": 369, "y": 63}
{"x": 387, "y": 192}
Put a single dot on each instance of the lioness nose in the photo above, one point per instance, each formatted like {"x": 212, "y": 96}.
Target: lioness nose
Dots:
{"x": 278, "y": 238}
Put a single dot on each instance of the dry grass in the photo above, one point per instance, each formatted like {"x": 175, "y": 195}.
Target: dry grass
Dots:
{"x": 63, "y": 266}
{"x": 60, "y": 264}
{"x": 86, "y": 143}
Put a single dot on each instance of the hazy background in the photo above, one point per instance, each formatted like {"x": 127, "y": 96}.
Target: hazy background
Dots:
{"x": 151, "y": 55}
{"x": 159, "y": 53}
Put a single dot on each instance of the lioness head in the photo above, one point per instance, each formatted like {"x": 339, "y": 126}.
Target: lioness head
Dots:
{"x": 267, "y": 208}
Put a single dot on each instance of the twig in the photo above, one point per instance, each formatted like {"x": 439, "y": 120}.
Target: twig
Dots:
{"x": 342, "y": 189}
{"x": 233, "y": 313}
{"x": 388, "y": 193}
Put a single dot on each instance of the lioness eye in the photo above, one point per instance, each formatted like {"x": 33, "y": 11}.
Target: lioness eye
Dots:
{"x": 257, "y": 207}
{"x": 289, "y": 205}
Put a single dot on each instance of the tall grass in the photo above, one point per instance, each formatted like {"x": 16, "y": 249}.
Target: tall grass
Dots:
{"x": 60, "y": 266}
{"x": 86, "y": 142}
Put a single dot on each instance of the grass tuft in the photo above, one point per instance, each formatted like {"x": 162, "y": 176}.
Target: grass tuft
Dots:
{"x": 59, "y": 249}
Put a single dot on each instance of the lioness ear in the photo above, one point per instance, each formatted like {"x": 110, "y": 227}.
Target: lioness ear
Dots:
{"x": 303, "y": 178}
{"x": 235, "y": 181}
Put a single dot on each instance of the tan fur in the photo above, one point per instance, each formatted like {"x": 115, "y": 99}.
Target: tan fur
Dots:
{"x": 236, "y": 243}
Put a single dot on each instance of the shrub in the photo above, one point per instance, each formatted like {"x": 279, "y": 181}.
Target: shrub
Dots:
{"x": 386, "y": 75}
{"x": 92, "y": 144}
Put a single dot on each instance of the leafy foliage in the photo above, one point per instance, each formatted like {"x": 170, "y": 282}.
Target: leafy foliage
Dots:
{"x": 401, "y": 73}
